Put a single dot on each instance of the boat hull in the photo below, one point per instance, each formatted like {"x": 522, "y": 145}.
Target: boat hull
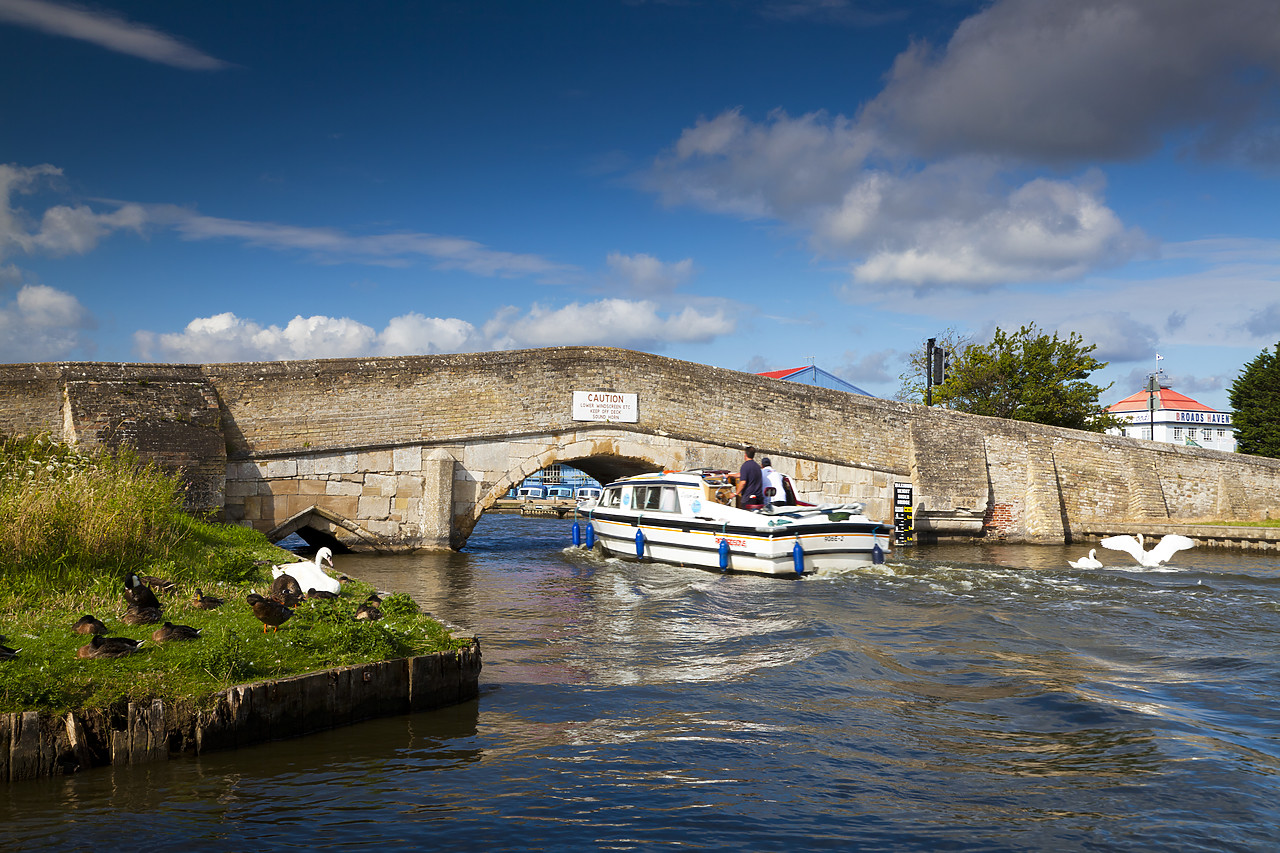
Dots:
{"x": 758, "y": 550}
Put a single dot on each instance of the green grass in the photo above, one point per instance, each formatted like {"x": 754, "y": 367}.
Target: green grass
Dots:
{"x": 72, "y": 526}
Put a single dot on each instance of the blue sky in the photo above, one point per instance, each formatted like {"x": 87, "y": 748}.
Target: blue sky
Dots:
{"x": 753, "y": 185}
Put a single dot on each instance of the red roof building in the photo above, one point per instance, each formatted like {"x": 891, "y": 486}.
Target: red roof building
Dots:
{"x": 1178, "y": 419}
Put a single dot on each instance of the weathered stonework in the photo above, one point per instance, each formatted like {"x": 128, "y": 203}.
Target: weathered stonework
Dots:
{"x": 35, "y": 745}
{"x": 399, "y": 453}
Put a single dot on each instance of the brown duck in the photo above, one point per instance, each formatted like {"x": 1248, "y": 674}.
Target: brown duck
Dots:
{"x": 141, "y": 615}
{"x": 285, "y": 590}
{"x": 169, "y": 631}
{"x": 138, "y": 594}
{"x": 205, "y": 602}
{"x": 108, "y": 647}
{"x": 270, "y": 613}
{"x": 87, "y": 624}
{"x": 368, "y": 612}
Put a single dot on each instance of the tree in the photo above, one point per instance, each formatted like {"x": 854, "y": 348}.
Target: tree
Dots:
{"x": 1028, "y": 376}
{"x": 1255, "y": 399}
{"x": 913, "y": 381}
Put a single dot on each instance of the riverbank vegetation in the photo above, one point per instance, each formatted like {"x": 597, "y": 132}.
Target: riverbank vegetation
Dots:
{"x": 72, "y": 525}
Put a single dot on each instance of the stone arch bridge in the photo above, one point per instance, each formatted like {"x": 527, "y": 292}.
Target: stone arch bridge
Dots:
{"x": 387, "y": 454}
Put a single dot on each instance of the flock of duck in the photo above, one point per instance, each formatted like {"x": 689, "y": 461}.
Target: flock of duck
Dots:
{"x": 272, "y": 610}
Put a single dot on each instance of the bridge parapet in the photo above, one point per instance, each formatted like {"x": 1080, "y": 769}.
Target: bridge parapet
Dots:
{"x": 395, "y": 453}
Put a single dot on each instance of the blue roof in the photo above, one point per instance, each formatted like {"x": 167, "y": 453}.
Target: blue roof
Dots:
{"x": 813, "y": 375}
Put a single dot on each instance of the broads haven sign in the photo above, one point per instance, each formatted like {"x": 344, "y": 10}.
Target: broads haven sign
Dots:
{"x": 605, "y": 406}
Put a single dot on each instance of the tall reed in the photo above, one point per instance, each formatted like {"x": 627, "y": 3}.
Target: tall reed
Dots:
{"x": 69, "y": 519}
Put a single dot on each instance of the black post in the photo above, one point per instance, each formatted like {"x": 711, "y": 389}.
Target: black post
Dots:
{"x": 928, "y": 372}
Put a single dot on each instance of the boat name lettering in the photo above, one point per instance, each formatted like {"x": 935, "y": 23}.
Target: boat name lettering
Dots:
{"x": 733, "y": 543}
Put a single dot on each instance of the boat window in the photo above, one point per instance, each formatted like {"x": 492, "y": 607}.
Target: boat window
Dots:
{"x": 657, "y": 499}
{"x": 613, "y": 497}
{"x": 669, "y": 502}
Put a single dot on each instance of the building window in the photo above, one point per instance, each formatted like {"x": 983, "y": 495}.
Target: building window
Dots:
{"x": 1222, "y": 433}
{"x": 1177, "y": 433}
{"x": 1208, "y": 435}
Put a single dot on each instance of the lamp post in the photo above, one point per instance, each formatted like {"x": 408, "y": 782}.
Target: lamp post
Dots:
{"x": 1153, "y": 388}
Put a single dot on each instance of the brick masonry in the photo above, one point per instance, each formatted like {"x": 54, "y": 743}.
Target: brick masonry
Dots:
{"x": 396, "y": 453}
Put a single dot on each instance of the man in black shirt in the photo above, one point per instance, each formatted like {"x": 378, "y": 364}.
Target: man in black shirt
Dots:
{"x": 750, "y": 482}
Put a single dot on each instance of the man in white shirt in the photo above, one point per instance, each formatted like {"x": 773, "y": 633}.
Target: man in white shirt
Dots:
{"x": 773, "y": 479}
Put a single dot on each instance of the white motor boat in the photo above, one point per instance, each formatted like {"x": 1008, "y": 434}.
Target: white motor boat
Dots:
{"x": 687, "y": 518}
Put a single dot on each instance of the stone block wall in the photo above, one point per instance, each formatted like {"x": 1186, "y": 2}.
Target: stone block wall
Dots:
{"x": 413, "y": 447}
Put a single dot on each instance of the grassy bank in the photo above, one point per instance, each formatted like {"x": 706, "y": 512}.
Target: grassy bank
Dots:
{"x": 72, "y": 525}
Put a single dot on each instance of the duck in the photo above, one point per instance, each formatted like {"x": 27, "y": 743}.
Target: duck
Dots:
{"x": 169, "y": 631}
{"x": 368, "y": 612}
{"x": 87, "y": 624}
{"x": 1089, "y": 562}
{"x": 141, "y": 615}
{"x": 138, "y": 594}
{"x": 154, "y": 582}
{"x": 320, "y": 594}
{"x": 311, "y": 575}
{"x": 108, "y": 647}
{"x": 374, "y": 599}
{"x": 200, "y": 601}
{"x": 285, "y": 589}
{"x": 1163, "y": 550}
{"x": 270, "y": 613}
{"x": 7, "y": 653}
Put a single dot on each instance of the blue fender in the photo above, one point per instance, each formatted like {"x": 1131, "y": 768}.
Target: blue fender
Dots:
{"x": 639, "y": 544}
{"x": 591, "y": 536}
{"x": 577, "y": 534}
{"x": 724, "y": 554}
{"x": 797, "y": 557}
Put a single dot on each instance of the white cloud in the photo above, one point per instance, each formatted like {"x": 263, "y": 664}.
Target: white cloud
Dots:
{"x": 646, "y": 274}
{"x": 226, "y": 337}
{"x": 334, "y": 245}
{"x": 615, "y": 322}
{"x": 1041, "y": 231}
{"x": 612, "y": 322}
{"x": 62, "y": 230}
{"x": 928, "y": 184}
{"x": 414, "y": 334}
{"x": 43, "y": 324}
{"x": 108, "y": 30}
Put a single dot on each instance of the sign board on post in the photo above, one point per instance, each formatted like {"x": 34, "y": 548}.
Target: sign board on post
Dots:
{"x": 903, "y": 524}
{"x": 606, "y": 406}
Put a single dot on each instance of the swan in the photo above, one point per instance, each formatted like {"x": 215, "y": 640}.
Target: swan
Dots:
{"x": 1089, "y": 562}
{"x": 310, "y": 575}
{"x": 1164, "y": 549}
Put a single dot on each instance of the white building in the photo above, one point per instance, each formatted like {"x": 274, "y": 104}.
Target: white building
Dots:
{"x": 1177, "y": 420}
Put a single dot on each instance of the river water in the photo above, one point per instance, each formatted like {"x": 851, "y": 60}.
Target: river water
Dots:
{"x": 962, "y": 697}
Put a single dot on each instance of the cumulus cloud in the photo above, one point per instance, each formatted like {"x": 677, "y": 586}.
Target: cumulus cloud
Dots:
{"x": 780, "y": 168}
{"x": 1083, "y": 80}
{"x": 43, "y": 324}
{"x": 227, "y": 337}
{"x": 107, "y": 30}
{"x": 616, "y": 322}
{"x": 1118, "y": 336}
{"x": 927, "y": 185}
{"x": 646, "y": 274}
{"x": 61, "y": 229}
{"x": 1042, "y": 230}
